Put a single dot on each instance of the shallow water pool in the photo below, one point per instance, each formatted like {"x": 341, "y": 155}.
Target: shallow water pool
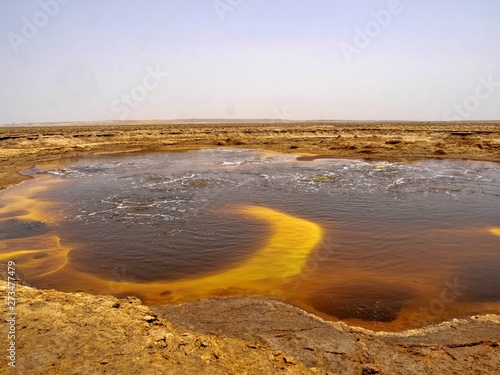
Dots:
{"x": 384, "y": 245}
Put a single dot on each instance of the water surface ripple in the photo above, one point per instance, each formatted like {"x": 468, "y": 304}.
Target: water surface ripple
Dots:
{"x": 389, "y": 245}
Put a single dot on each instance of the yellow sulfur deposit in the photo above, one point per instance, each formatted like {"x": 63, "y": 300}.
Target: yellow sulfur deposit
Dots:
{"x": 495, "y": 231}
{"x": 43, "y": 259}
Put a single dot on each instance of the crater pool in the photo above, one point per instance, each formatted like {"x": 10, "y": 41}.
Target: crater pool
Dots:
{"x": 383, "y": 245}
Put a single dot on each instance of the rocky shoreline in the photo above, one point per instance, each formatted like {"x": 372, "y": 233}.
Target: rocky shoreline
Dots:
{"x": 77, "y": 333}
{"x": 80, "y": 334}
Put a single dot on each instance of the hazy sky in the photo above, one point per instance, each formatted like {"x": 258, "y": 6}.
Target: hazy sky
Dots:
{"x": 78, "y": 60}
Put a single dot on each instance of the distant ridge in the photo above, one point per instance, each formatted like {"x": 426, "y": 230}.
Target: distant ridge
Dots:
{"x": 226, "y": 121}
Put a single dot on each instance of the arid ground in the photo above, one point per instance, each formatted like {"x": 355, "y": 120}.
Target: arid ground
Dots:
{"x": 63, "y": 333}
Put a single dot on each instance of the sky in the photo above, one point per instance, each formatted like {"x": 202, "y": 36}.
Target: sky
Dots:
{"x": 93, "y": 60}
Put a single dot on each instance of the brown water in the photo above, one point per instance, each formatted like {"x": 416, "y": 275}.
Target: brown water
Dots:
{"x": 381, "y": 245}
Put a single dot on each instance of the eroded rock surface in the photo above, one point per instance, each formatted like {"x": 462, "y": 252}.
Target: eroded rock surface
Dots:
{"x": 64, "y": 333}
{"x": 458, "y": 347}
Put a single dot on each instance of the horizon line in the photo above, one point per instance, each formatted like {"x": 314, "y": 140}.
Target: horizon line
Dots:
{"x": 225, "y": 120}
